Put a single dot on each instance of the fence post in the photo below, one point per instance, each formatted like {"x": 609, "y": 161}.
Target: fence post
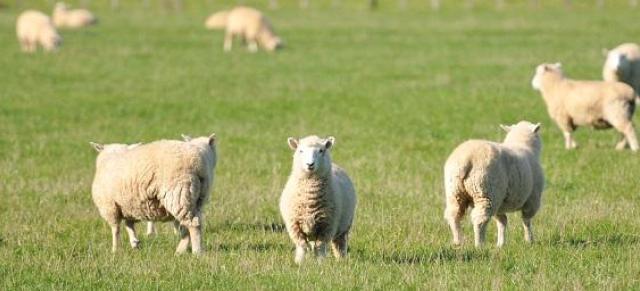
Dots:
{"x": 115, "y": 4}
{"x": 273, "y": 4}
{"x": 304, "y": 4}
{"x": 633, "y": 3}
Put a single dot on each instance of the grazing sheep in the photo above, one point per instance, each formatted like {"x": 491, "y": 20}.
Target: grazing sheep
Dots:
{"x": 494, "y": 179}
{"x": 248, "y": 24}
{"x": 72, "y": 18}
{"x": 33, "y": 28}
{"x": 623, "y": 65}
{"x": 318, "y": 202}
{"x": 160, "y": 181}
{"x": 600, "y": 104}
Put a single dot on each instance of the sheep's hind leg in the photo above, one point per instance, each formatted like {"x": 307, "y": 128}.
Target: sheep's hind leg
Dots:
{"x": 115, "y": 236}
{"x": 501, "y": 223}
{"x": 339, "y": 246}
{"x": 454, "y": 212}
{"x": 184, "y": 238}
{"x": 195, "y": 233}
{"x": 320, "y": 249}
{"x": 131, "y": 232}
{"x": 480, "y": 216}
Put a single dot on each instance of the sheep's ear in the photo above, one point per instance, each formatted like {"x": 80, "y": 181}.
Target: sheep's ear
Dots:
{"x": 557, "y": 65}
{"x": 98, "y": 147}
{"x": 506, "y": 128}
{"x": 293, "y": 143}
{"x": 185, "y": 137}
{"x": 536, "y": 127}
{"x": 212, "y": 139}
{"x": 329, "y": 142}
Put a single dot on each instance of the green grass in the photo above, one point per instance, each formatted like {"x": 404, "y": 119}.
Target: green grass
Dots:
{"x": 398, "y": 88}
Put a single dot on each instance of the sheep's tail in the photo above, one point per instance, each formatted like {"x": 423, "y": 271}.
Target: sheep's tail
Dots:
{"x": 454, "y": 176}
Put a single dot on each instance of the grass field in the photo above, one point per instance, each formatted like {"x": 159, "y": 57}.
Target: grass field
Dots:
{"x": 398, "y": 88}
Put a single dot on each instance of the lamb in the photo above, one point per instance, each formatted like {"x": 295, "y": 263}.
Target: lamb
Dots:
{"x": 159, "y": 181}
{"x": 494, "y": 179}
{"x": 72, "y": 18}
{"x": 318, "y": 201}
{"x": 33, "y": 28}
{"x": 623, "y": 65}
{"x": 600, "y": 104}
{"x": 247, "y": 23}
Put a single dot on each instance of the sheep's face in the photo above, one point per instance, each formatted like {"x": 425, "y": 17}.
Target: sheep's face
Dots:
{"x": 51, "y": 41}
{"x": 618, "y": 63}
{"x": 273, "y": 44}
{"x": 541, "y": 71}
{"x": 311, "y": 154}
{"x": 524, "y": 132}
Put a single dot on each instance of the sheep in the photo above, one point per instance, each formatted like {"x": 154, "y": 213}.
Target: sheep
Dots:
{"x": 159, "y": 181}
{"x": 623, "y": 65}
{"x": 33, "y": 28}
{"x": 600, "y": 104}
{"x": 318, "y": 201}
{"x": 494, "y": 179}
{"x": 72, "y": 18}
{"x": 247, "y": 23}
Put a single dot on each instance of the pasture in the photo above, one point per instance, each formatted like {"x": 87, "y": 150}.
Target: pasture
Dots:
{"x": 398, "y": 88}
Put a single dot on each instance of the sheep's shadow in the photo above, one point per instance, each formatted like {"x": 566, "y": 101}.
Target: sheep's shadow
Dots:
{"x": 256, "y": 247}
{"x": 242, "y": 227}
{"x": 441, "y": 255}
{"x": 610, "y": 240}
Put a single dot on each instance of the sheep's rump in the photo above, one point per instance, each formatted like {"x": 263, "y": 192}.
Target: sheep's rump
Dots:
{"x": 593, "y": 103}
{"x": 486, "y": 170}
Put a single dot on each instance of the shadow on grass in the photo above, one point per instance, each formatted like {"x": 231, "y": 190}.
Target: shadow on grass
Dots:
{"x": 584, "y": 241}
{"x": 256, "y": 247}
{"x": 242, "y": 227}
{"x": 441, "y": 255}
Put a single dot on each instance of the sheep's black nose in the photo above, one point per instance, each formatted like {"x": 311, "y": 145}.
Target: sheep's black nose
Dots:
{"x": 310, "y": 165}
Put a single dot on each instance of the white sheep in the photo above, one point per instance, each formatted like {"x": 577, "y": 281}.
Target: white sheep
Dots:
{"x": 248, "y": 24}
{"x": 623, "y": 65}
{"x": 599, "y": 104}
{"x": 318, "y": 201}
{"x": 160, "y": 181}
{"x": 72, "y": 18}
{"x": 33, "y": 28}
{"x": 494, "y": 179}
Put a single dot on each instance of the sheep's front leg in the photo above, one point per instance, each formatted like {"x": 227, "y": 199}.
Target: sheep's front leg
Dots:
{"x": 320, "y": 249}
{"x": 253, "y": 45}
{"x": 501, "y": 222}
{"x": 301, "y": 251}
{"x": 184, "y": 238}
{"x": 339, "y": 246}
{"x": 131, "y": 232}
{"x": 622, "y": 144}
{"x": 151, "y": 229}
{"x": 569, "y": 142}
{"x": 228, "y": 41}
{"x": 630, "y": 135}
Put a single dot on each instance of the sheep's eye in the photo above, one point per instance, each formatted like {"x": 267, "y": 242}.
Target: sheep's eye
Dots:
{"x": 300, "y": 151}
{"x": 321, "y": 151}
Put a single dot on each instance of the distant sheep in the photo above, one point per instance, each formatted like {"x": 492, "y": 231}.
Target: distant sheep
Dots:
{"x": 494, "y": 179}
{"x": 63, "y": 17}
{"x": 35, "y": 28}
{"x": 248, "y": 24}
{"x": 318, "y": 201}
{"x": 623, "y": 65}
{"x": 160, "y": 181}
{"x": 598, "y": 104}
